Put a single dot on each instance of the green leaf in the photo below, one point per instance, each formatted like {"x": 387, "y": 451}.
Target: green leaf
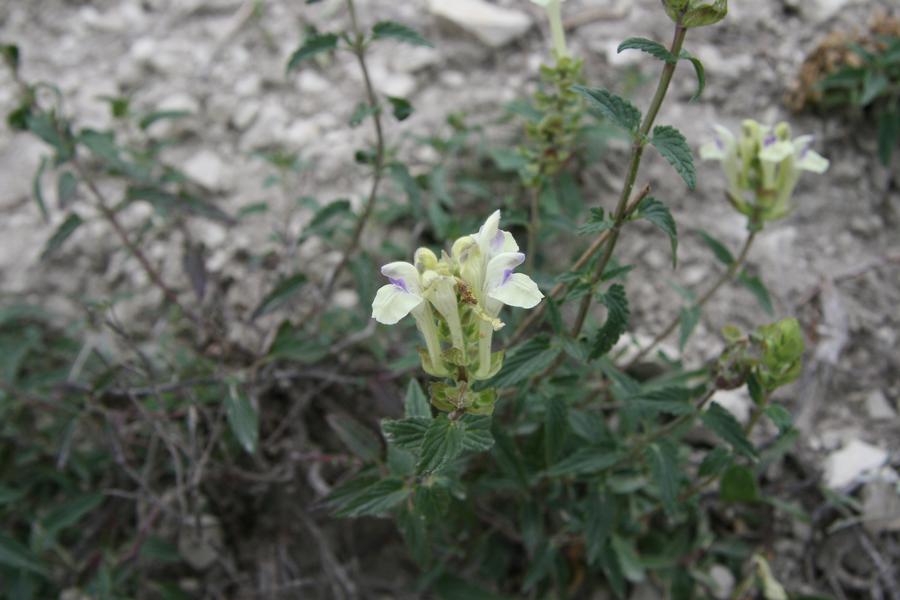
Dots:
{"x": 874, "y": 84}
{"x": 314, "y": 44}
{"x": 164, "y": 202}
{"x": 669, "y": 400}
{"x": 442, "y": 443}
{"x": 688, "y": 320}
{"x": 66, "y": 188}
{"x": 280, "y": 295}
{"x": 619, "y": 111}
{"x": 242, "y": 418}
{"x": 716, "y": 461}
{"x": 780, "y": 416}
{"x": 376, "y": 499}
{"x": 591, "y": 459}
{"x": 326, "y": 219}
{"x": 719, "y": 249}
{"x": 759, "y": 291}
{"x": 362, "y": 111}
{"x": 397, "y": 31}
{"x": 674, "y": 147}
{"x": 62, "y": 233}
{"x": 629, "y": 560}
{"x": 701, "y": 73}
{"x": 416, "y": 402}
{"x": 525, "y": 361}
{"x": 408, "y": 433}
{"x": 451, "y": 587}
{"x": 161, "y": 115}
{"x": 55, "y": 133}
{"x": 402, "y": 109}
{"x": 649, "y": 46}
{"x": 601, "y": 519}
{"x": 71, "y": 512}
{"x": 555, "y": 427}
{"x": 663, "y": 459}
{"x": 618, "y": 313}
{"x": 888, "y": 134}
{"x": 358, "y": 438}
{"x": 738, "y": 484}
{"x": 477, "y": 436}
{"x": 16, "y": 556}
{"x": 293, "y": 343}
{"x": 723, "y": 424}
{"x": 37, "y": 190}
{"x": 657, "y": 213}
{"x": 597, "y": 223}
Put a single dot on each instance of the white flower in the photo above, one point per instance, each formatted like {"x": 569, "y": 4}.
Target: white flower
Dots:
{"x": 554, "y": 13}
{"x": 487, "y": 260}
{"x": 402, "y": 296}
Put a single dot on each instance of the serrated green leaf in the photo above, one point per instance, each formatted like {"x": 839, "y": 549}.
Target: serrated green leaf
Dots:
{"x": 874, "y": 84}
{"x": 618, "y": 313}
{"x": 525, "y": 361}
{"x": 888, "y": 134}
{"x": 314, "y": 44}
{"x": 242, "y": 418}
{"x": 376, "y": 499}
{"x": 674, "y": 147}
{"x": 432, "y": 501}
{"x": 598, "y": 222}
{"x": 591, "y": 459}
{"x": 699, "y": 69}
{"x": 657, "y": 213}
{"x": 398, "y": 31}
{"x": 358, "y": 438}
{"x": 416, "y": 404}
{"x": 62, "y": 233}
{"x": 402, "y": 109}
{"x": 326, "y": 219}
{"x": 442, "y": 443}
{"x": 721, "y": 252}
{"x": 670, "y": 400}
{"x": 738, "y": 484}
{"x": 716, "y": 461}
{"x": 293, "y": 343}
{"x": 616, "y": 109}
{"x": 401, "y": 463}
{"x": 280, "y": 295}
{"x": 688, "y": 320}
{"x": 723, "y": 424}
{"x": 477, "y": 436}
{"x": 663, "y": 459}
{"x": 363, "y": 111}
{"x": 601, "y": 519}
{"x": 406, "y": 433}
{"x": 649, "y": 46}
{"x": 629, "y": 560}
{"x": 759, "y": 291}
{"x": 589, "y": 426}
{"x": 555, "y": 427}
{"x": 16, "y": 556}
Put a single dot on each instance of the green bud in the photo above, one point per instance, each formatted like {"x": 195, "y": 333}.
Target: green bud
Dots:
{"x": 781, "y": 352}
{"x": 696, "y": 13}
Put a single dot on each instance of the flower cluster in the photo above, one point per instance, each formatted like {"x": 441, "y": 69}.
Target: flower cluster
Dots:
{"x": 456, "y": 302}
{"x": 763, "y": 167}
{"x": 696, "y": 13}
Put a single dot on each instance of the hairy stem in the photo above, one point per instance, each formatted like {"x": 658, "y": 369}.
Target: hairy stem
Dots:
{"x": 637, "y": 153}
{"x": 726, "y": 277}
{"x": 359, "y": 50}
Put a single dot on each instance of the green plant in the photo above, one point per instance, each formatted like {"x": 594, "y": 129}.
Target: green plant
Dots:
{"x": 535, "y": 462}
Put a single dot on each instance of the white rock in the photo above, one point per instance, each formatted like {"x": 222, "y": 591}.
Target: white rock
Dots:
{"x": 822, "y": 10}
{"x": 412, "y": 60}
{"x": 737, "y": 402}
{"x": 724, "y": 581}
{"x": 851, "y": 463}
{"x": 245, "y": 114}
{"x": 302, "y": 133}
{"x": 312, "y": 83}
{"x": 208, "y": 169}
{"x": 881, "y": 506}
{"x": 180, "y": 101}
{"x": 492, "y": 25}
{"x": 879, "y": 407}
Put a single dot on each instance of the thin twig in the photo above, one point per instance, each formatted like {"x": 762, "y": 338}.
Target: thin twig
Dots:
{"x": 359, "y": 50}
{"x": 726, "y": 277}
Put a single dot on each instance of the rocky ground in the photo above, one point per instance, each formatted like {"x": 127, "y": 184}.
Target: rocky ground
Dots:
{"x": 835, "y": 262}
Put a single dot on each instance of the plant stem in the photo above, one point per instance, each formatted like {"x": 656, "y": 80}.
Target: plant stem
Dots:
{"x": 557, "y": 291}
{"x": 533, "y": 228}
{"x": 637, "y": 152}
{"x": 359, "y": 50}
{"x": 726, "y": 277}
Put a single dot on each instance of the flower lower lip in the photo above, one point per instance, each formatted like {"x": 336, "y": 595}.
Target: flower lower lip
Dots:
{"x": 399, "y": 283}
